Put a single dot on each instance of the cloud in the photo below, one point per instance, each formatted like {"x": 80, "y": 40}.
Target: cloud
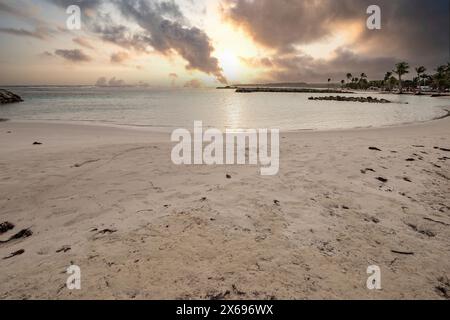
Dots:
{"x": 25, "y": 13}
{"x": 113, "y": 82}
{"x": 194, "y": 84}
{"x": 163, "y": 27}
{"x": 119, "y": 34}
{"x": 165, "y": 30}
{"x": 39, "y": 33}
{"x": 75, "y": 55}
{"x": 101, "y": 82}
{"x": 84, "y": 4}
{"x": 83, "y": 42}
{"x": 412, "y": 30}
{"x": 119, "y": 57}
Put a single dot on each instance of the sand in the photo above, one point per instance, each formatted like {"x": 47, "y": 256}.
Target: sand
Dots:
{"x": 110, "y": 201}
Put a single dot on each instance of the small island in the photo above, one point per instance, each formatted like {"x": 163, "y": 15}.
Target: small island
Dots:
{"x": 9, "y": 97}
{"x": 350, "y": 99}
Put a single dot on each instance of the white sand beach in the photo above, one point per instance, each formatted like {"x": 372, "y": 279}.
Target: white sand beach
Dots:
{"x": 109, "y": 200}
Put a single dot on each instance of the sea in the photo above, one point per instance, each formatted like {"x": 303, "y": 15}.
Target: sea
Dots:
{"x": 168, "y": 109}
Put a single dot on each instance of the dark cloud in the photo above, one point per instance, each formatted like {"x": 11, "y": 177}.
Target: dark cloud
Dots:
{"x": 73, "y": 55}
{"x": 413, "y": 30}
{"x": 164, "y": 28}
{"x": 120, "y": 34}
{"x": 166, "y": 31}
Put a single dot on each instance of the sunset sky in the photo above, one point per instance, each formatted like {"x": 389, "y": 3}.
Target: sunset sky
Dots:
{"x": 209, "y": 42}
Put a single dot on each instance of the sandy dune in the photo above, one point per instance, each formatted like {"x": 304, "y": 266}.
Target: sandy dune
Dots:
{"x": 110, "y": 201}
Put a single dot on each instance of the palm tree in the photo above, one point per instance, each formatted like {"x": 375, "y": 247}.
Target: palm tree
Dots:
{"x": 363, "y": 80}
{"x": 329, "y": 80}
{"x": 424, "y": 78}
{"x": 419, "y": 71}
{"x": 401, "y": 69}
{"x": 342, "y": 84}
{"x": 387, "y": 78}
{"x": 349, "y": 76}
{"x": 439, "y": 77}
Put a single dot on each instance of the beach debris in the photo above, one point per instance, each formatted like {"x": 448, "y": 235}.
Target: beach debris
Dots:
{"x": 25, "y": 233}
{"x": 374, "y": 149}
{"x": 79, "y": 165}
{"x": 442, "y": 149}
{"x": 276, "y": 202}
{"x": 203, "y": 199}
{"x": 5, "y": 227}
{"x": 107, "y": 231}
{"x": 375, "y": 220}
{"x": 237, "y": 291}
{"x": 407, "y": 179}
{"x": 437, "y": 221}
{"x": 406, "y": 253}
{"x": 443, "y": 288}
{"x": 64, "y": 249}
{"x": 442, "y": 175}
{"x": 214, "y": 295}
{"x": 228, "y": 176}
{"x": 36, "y": 143}
{"x": 364, "y": 171}
{"x": 418, "y": 146}
{"x": 16, "y": 253}
{"x": 3, "y": 120}
{"x": 421, "y": 231}
{"x": 345, "y": 208}
{"x": 410, "y": 160}
{"x": 381, "y": 179}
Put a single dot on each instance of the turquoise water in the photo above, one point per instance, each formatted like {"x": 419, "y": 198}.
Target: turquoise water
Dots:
{"x": 179, "y": 108}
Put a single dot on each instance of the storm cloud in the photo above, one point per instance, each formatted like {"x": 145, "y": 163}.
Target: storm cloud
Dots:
{"x": 412, "y": 30}
{"x": 167, "y": 32}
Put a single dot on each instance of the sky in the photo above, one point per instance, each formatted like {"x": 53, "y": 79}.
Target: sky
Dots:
{"x": 196, "y": 43}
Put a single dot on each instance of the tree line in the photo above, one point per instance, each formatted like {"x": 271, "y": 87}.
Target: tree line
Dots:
{"x": 439, "y": 80}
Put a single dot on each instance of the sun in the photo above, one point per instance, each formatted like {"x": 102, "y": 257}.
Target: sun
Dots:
{"x": 230, "y": 64}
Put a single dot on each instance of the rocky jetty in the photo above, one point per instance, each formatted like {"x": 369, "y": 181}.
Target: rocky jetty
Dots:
{"x": 351, "y": 99}
{"x": 289, "y": 90}
{"x": 8, "y": 97}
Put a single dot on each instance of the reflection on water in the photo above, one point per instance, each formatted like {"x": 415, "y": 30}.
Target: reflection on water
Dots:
{"x": 216, "y": 108}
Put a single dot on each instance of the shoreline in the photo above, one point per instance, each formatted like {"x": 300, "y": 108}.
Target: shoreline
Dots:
{"x": 149, "y": 128}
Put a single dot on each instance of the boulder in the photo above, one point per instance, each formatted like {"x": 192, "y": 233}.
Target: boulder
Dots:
{"x": 8, "y": 97}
